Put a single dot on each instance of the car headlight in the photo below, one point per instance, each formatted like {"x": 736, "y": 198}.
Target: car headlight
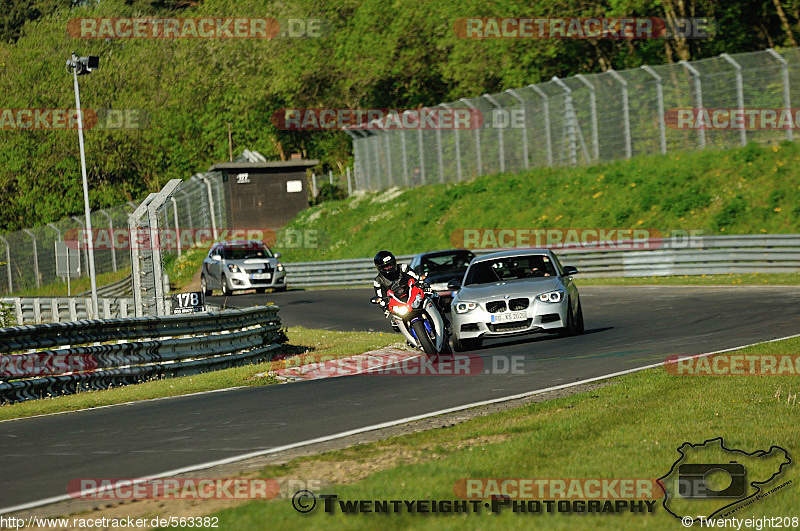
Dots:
{"x": 464, "y": 307}
{"x": 279, "y": 267}
{"x": 400, "y": 310}
{"x": 439, "y": 286}
{"x": 233, "y": 268}
{"x": 553, "y": 296}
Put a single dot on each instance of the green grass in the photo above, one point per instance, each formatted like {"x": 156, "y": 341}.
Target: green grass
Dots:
{"x": 301, "y": 340}
{"x": 750, "y": 190}
{"x": 78, "y": 285}
{"x": 629, "y": 429}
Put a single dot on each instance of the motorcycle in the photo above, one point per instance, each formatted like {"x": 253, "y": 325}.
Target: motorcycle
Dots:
{"x": 417, "y": 317}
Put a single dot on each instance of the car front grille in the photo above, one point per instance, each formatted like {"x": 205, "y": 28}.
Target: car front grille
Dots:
{"x": 509, "y": 327}
{"x": 259, "y": 269}
{"x": 496, "y": 306}
{"x": 518, "y": 304}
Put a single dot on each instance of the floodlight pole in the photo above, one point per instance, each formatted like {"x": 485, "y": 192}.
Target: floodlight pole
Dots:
{"x": 86, "y": 207}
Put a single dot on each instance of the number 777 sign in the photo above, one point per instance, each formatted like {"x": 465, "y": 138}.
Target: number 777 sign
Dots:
{"x": 191, "y": 302}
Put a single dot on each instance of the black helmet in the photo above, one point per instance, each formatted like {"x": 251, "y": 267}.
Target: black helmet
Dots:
{"x": 387, "y": 265}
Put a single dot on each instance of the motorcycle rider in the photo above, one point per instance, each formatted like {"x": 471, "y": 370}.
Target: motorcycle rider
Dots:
{"x": 393, "y": 276}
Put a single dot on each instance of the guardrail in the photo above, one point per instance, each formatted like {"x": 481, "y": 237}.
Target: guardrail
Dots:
{"x": 37, "y": 310}
{"x": 118, "y": 289}
{"x": 696, "y": 255}
{"x": 98, "y": 354}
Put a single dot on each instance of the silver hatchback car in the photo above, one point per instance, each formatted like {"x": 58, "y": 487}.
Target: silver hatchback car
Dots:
{"x": 514, "y": 293}
{"x": 238, "y": 265}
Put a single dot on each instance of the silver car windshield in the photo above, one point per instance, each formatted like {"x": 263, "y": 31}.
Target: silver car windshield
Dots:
{"x": 510, "y": 268}
{"x": 246, "y": 251}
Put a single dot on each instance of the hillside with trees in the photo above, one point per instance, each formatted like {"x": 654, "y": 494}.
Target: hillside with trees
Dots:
{"x": 373, "y": 53}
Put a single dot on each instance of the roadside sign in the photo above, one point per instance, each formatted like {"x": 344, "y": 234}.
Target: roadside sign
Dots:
{"x": 67, "y": 260}
{"x": 191, "y": 302}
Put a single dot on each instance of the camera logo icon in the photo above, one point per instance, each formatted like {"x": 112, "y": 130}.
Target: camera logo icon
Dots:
{"x": 701, "y": 480}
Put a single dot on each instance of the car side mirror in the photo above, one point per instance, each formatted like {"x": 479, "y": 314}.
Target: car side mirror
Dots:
{"x": 454, "y": 285}
{"x": 278, "y": 255}
{"x": 375, "y": 300}
{"x": 216, "y": 257}
{"x": 570, "y": 270}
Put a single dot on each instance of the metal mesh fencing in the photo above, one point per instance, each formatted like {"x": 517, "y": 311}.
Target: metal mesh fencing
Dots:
{"x": 28, "y": 257}
{"x": 585, "y": 119}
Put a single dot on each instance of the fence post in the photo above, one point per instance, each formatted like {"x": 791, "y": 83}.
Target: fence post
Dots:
{"x": 570, "y": 121}
{"x": 177, "y": 226}
{"x": 35, "y": 256}
{"x": 478, "y": 163}
{"x": 387, "y": 145}
{"x": 421, "y": 149}
{"x": 521, "y": 101}
{"x": 69, "y": 287}
{"x": 439, "y": 147}
{"x": 626, "y": 115}
{"x": 402, "y": 134}
{"x": 546, "y": 107}
{"x": 787, "y": 100}
{"x": 662, "y": 129}
{"x": 111, "y": 237}
{"x": 698, "y": 95}
{"x": 593, "y": 110}
{"x": 313, "y": 185}
{"x": 739, "y": 93}
{"x": 376, "y": 149}
{"x": 349, "y": 183}
{"x": 501, "y": 147}
{"x": 362, "y": 135}
{"x": 85, "y": 257}
{"x": 8, "y": 268}
{"x": 457, "y": 140}
{"x": 210, "y": 206}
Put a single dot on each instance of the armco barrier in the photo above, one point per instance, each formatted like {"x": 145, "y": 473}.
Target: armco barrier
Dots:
{"x": 699, "y": 255}
{"x": 98, "y": 354}
{"x": 37, "y": 310}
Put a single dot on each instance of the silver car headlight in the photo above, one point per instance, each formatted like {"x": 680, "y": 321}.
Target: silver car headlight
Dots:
{"x": 233, "y": 268}
{"x": 279, "y": 267}
{"x": 552, "y": 296}
{"x": 464, "y": 307}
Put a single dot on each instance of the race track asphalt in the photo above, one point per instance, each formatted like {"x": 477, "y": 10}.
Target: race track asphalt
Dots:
{"x": 626, "y": 327}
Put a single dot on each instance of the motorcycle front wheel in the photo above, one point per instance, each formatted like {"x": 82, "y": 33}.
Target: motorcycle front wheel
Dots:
{"x": 422, "y": 334}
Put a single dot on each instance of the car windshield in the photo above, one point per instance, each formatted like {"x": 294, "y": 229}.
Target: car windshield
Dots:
{"x": 242, "y": 252}
{"x": 446, "y": 262}
{"x": 510, "y": 268}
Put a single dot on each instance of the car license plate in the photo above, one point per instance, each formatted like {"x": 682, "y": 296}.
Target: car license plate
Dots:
{"x": 506, "y": 317}
{"x": 260, "y": 276}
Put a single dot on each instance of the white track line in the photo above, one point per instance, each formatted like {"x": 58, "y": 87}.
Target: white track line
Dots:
{"x": 389, "y": 424}
{"x": 125, "y": 403}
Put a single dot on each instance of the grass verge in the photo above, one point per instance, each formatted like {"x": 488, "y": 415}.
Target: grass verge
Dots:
{"x": 301, "y": 340}
{"x": 630, "y": 429}
{"x": 749, "y": 190}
